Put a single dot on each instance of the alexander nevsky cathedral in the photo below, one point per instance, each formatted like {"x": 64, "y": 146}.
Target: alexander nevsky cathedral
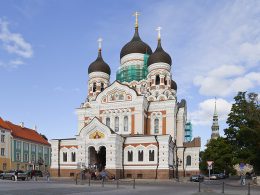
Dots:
{"x": 133, "y": 127}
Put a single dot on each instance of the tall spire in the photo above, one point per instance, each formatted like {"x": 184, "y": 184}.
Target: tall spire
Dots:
{"x": 215, "y": 109}
{"x": 136, "y": 14}
{"x": 215, "y": 125}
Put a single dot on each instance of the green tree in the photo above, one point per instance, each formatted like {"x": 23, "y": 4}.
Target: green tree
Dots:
{"x": 243, "y": 131}
{"x": 220, "y": 151}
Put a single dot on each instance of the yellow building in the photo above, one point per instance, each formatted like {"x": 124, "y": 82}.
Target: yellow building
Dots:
{"x": 5, "y": 147}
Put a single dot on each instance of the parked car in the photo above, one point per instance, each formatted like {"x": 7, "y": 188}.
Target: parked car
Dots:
{"x": 197, "y": 178}
{"x": 36, "y": 173}
{"x": 1, "y": 174}
{"x": 214, "y": 177}
{"x": 221, "y": 176}
{"x": 11, "y": 175}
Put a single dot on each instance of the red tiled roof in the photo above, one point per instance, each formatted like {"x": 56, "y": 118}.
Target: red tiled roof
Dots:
{"x": 3, "y": 124}
{"x": 25, "y": 133}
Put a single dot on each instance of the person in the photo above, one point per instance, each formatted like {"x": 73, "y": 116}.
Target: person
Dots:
{"x": 103, "y": 175}
{"x": 48, "y": 176}
{"x": 16, "y": 175}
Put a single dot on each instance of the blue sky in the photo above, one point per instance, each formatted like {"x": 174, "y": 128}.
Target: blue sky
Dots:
{"x": 46, "y": 47}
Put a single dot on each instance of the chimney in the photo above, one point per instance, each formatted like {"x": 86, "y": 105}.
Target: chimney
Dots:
{"x": 22, "y": 124}
{"x": 35, "y": 127}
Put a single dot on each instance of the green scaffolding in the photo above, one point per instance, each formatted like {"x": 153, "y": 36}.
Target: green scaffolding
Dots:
{"x": 133, "y": 72}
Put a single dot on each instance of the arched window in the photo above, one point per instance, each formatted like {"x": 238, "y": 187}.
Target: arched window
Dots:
{"x": 157, "y": 80}
{"x": 130, "y": 156}
{"x": 140, "y": 155}
{"x": 102, "y": 87}
{"x": 165, "y": 81}
{"x": 94, "y": 87}
{"x": 108, "y": 121}
{"x": 126, "y": 123}
{"x": 73, "y": 156}
{"x": 188, "y": 160}
{"x": 156, "y": 125}
{"x": 64, "y": 156}
{"x": 116, "y": 124}
{"x": 151, "y": 155}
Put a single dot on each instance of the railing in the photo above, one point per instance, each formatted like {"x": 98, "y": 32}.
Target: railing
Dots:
{"x": 246, "y": 187}
{"x": 116, "y": 182}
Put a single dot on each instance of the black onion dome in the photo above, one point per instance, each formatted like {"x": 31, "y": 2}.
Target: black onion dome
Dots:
{"x": 173, "y": 85}
{"x": 159, "y": 55}
{"x": 99, "y": 65}
{"x": 136, "y": 45}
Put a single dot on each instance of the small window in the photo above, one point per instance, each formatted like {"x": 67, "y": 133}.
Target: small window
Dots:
{"x": 156, "y": 125}
{"x": 18, "y": 156}
{"x": 25, "y": 157}
{"x": 33, "y": 158}
{"x": 151, "y": 155}
{"x": 125, "y": 123}
{"x": 4, "y": 166}
{"x": 157, "y": 80}
{"x": 130, "y": 156}
{"x": 3, "y": 138}
{"x": 94, "y": 87}
{"x": 108, "y": 121}
{"x": 140, "y": 155}
{"x": 64, "y": 156}
{"x": 117, "y": 124}
{"x": 2, "y": 151}
{"x": 102, "y": 87}
{"x": 73, "y": 157}
{"x": 188, "y": 160}
{"x": 165, "y": 81}
{"x": 18, "y": 145}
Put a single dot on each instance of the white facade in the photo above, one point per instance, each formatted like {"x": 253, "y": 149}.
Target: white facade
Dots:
{"x": 132, "y": 129}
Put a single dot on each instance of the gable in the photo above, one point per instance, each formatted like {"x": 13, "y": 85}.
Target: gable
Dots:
{"x": 116, "y": 92}
{"x": 95, "y": 130}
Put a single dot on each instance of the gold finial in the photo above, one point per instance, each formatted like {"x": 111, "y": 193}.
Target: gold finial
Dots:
{"x": 100, "y": 43}
{"x": 136, "y": 14}
{"x": 159, "y": 32}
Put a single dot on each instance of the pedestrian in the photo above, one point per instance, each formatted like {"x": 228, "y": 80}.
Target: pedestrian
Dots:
{"x": 16, "y": 175}
{"x": 48, "y": 176}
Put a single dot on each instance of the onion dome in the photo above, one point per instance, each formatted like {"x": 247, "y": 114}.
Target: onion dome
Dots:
{"x": 99, "y": 65}
{"x": 159, "y": 55}
{"x": 173, "y": 85}
{"x": 136, "y": 45}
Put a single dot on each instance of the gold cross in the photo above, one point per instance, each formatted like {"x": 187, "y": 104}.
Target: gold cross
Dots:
{"x": 100, "y": 43}
{"x": 136, "y": 14}
{"x": 159, "y": 32}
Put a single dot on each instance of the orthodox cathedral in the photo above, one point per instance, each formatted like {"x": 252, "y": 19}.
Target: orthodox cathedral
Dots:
{"x": 133, "y": 127}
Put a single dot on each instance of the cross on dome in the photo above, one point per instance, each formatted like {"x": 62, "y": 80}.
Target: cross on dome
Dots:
{"x": 159, "y": 32}
{"x": 136, "y": 14}
{"x": 99, "y": 43}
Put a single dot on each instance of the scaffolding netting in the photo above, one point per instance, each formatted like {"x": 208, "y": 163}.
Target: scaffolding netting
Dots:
{"x": 133, "y": 72}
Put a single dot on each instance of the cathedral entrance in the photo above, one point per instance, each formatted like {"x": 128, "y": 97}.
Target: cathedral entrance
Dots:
{"x": 97, "y": 160}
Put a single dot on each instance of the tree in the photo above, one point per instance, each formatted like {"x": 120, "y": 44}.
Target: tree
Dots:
{"x": 220, "y": 151}
{"x": 243, "y": 131}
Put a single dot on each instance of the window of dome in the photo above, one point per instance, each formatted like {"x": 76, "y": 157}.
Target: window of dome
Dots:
{"x": 102, "y": 87}
{"x": 157, "y": 80}
{"x": 94, "y": 87}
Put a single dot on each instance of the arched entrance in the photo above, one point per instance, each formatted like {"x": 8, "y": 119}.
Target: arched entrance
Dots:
{"x": 97, "y": 160}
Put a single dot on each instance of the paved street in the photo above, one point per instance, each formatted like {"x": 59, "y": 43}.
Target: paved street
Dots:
{"x": 149, "y": 187}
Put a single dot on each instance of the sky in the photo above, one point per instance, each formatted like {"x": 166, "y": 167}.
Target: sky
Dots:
{"x": 46, "y": 48}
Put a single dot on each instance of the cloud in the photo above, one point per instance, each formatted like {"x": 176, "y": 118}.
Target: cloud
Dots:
{"x": 14, "y": 43}
{"x": 226, "y": 80}
{"x": 203, "y": 115}
{"x": 12, "y": 64}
